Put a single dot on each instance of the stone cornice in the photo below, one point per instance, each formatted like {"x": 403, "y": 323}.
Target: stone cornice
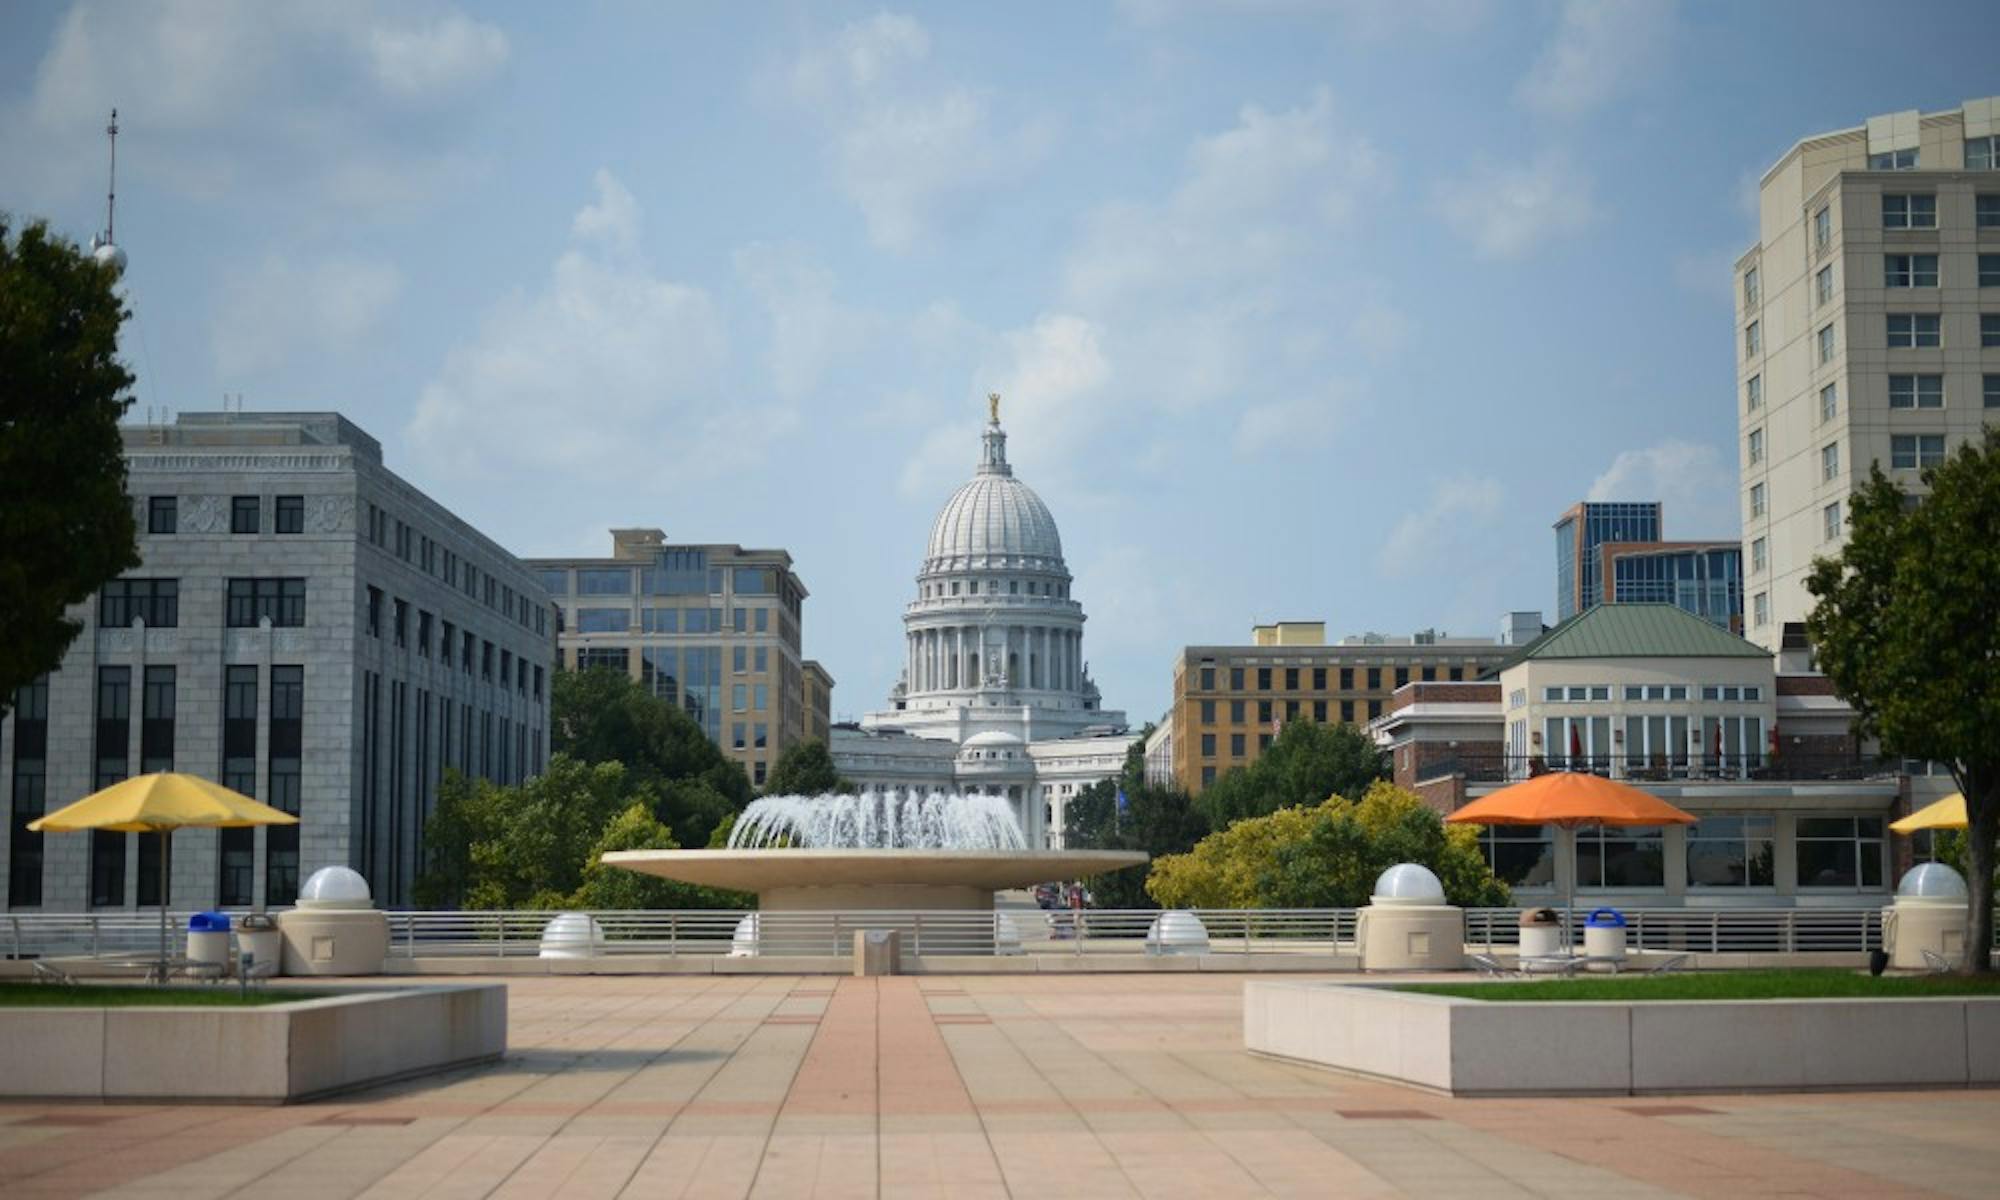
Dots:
{"x": 182, "y": 462}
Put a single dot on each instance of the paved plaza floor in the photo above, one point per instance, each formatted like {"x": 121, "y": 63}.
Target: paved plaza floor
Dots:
{"x": 1021, "y": 1086}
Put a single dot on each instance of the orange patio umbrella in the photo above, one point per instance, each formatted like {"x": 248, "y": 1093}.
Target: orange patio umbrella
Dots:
{"x": 1573, "y": 800}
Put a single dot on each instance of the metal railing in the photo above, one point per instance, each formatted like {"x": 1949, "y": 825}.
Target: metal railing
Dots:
{"x": 1697, "y": 768}
{"x": 693, "y": 933}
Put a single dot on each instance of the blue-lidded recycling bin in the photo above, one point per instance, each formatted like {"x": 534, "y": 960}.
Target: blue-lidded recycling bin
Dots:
{"x": 1604, "y": 934}
{"x": 208, "y": 938}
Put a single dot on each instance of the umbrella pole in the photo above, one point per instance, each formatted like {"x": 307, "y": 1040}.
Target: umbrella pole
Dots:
{"x": 166, "y": 865}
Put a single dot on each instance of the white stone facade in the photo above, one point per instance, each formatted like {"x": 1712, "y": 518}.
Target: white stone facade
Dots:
{"x": 995, "y": 694}
{"x": 359, "y": 541}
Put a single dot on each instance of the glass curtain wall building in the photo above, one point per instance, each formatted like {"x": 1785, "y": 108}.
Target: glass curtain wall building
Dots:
{"x": 1705, "y": 580}
{"x": 1580, "y": 531}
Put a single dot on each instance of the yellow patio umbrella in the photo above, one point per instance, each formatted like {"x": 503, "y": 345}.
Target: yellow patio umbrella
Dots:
{"x": 162, "y": 803}
{"x": 1948, "y": 813}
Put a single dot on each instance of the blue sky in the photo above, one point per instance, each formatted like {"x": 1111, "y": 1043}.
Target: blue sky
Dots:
{"x": 1316, "y": 311}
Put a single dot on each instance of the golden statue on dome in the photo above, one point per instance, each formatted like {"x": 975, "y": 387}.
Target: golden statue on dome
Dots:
{"x": 993, "y": 407}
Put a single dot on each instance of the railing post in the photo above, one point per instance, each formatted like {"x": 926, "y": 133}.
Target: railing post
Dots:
{"x": 96, "y": 939}
{"x": 503, "y": 934}
{"x": 673, "y": 934}
{"x": 1791, "y": 930}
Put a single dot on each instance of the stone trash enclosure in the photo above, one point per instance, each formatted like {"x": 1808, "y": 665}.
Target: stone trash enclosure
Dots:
{"x": 268, "y": 1054}
{"x": 1465, "y": 1047}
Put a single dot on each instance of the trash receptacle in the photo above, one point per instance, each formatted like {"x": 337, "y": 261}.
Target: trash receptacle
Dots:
{"x": 1604, "y": 934}
{"x": 208, "y": 938}
{"x": 1541, "y": 932}
{"x": 260, "y": 948}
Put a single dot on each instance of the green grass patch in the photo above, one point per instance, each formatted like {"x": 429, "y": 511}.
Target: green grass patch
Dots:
{"x": 1720, "y": 985}
{"x": 140, "y": 995}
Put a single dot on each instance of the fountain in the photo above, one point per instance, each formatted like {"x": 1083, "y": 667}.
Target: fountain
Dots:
{"x": 881, "y": 850}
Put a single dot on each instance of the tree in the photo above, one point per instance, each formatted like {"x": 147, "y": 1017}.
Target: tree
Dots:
{"x": 1326, "y": 856}
{"x": 600, "y": 716}
{"x": 66, "y": 524}
{"x": 613, "y": 887}
{"x": 805, "y": 769}
{"x": 1157, "y": 820}
{"x": 1907, "y": 626}
{"x": 1307, "y": 763}
{"x": 522, "y": 846}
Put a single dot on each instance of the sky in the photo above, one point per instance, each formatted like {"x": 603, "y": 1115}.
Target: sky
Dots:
{"x": 1304, "y": 311}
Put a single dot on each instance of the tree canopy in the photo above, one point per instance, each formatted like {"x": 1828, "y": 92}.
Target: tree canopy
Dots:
{"x": 601, "y": 716}
{"x": 1307, "y": 763}
{"x": 66, "y": 524}
{"x": 1907, "y": 626}
{"x": 805, "y": 769}
{"x": 1158, "y": 820}
{"x": 1326, "y": 856}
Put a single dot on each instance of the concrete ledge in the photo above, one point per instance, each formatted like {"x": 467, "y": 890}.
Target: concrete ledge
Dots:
{"x": 1464, "y": 1047}
{"x": 912, "y": 964}
{"x": 269, "y": 1054}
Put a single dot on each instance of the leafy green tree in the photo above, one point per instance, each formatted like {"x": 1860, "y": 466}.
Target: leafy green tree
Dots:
{"x": 1907, "y": 626}
{"x": 612, "y": 887}
{"x": 806, "y": 769}
{"x": 1157, "y": 820}
{"x": 601, "y": 716}
{"x": 1326, "y": 856}
{"x": 522, "y": 846}
{"x": 66, "y": 524}
{"x": 1307, "y": 763}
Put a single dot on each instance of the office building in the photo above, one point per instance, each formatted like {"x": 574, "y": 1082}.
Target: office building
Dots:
{"x": 1231, "y": 701}
{"x": 1614, "y": 552}
{"x": 1867, "y": 332}
{"x": 713, "y": 628}
{"x": 304, "y": 627}
{"x": 818, "y": 700}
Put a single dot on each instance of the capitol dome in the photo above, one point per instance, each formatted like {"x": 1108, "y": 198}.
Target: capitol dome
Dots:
{"x": 994, "y": 520}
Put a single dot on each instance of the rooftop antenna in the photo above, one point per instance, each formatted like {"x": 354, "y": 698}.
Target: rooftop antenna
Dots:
{"x": 103, "y": 247}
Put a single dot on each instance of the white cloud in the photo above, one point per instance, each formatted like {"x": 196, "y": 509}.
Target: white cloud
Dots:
{"x": 1456, "y": 513}
{"x": 1296, "y": 425}
{"x": 912, "y": 151}
{"x": 354, "y": 103}
{"x": 1380, "y": 330}
{"x": 1508, "y": 211}
{"x": 1693, "y": 482}
{"x": 810, "y": 329}
{"x": 269, "y": 313}
{"x": 613, "y": 218}
{"x": 1369, "y": 20}
{"x": 607, "y": 369}
{"x": 1599, "y": 49}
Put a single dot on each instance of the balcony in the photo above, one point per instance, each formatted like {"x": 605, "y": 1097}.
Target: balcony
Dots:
{"x": 1722, "y": 768}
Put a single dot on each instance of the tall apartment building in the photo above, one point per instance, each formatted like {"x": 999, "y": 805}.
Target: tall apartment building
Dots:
{"x": 1867, "y": 331}
{"x": 712, "y": 628}
{"x": 1615, "y": 552}
{"x": 1231, "y": 701}
{"x": 306, "y": 628}
{"x": 818, "y": 700}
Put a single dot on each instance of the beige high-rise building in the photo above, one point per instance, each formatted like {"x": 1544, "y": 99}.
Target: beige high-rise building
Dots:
{"x": 712, "y": 628}
{"x": 1867, "y": 330}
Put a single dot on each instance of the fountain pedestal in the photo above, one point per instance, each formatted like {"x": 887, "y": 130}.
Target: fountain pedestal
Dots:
{"x": 890, "y": 880}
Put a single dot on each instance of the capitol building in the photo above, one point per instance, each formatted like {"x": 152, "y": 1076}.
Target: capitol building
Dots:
{"x": 995, "y": 696}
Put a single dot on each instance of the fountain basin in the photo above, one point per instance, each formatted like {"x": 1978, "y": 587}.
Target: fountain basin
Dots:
{"x": 898, "y": 880}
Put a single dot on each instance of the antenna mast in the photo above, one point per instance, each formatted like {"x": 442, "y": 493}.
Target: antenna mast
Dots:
{"x": 111, "y": 193}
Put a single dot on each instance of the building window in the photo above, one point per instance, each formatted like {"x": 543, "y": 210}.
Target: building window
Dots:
{"x": 1263, "y": 679}
{"x": 1759, "y": 558}
{"x": 1986, "y": 211}
{"x": 1236, "y": 679}
{"x": 1983, "y": 154}
{"x": 1829, "y": 462}
{"x": 1909, "y": 212}
{"x": 1915, "y": 451}
{"x": 1621, "y": 858}
{"x": 1263, "y": 712}
{"x": 1236, "y": 712}
{"x": 1291, "y": 679}
{"x": 1913, "y": 330}
{"x": 30, "y": 793}
{"x": 1823, "y": 285}
{"x": 1990, "y": 391}
{"x": 1208, "y": 745}
{"x": 154, "y": 601}
{"x": 1208, "y": 712}
{"x": 289, "y": 515}
{"x": 760, "y": 697}
{"x": 1319, "y": 679}
{"x": 402, "y": 624}
{"x": 236, "y": 867}
{"x": 1989, "y": 329}
{"x": 286, "y": 752}
{"x": 1731, "y": 851}
{"x": 1520, "y": 855}
{"x": 1374, "y": 679}
{"x": 1827, "y": 344}
{"x": 1989, "y": 270}
{"x": 1756, "y": 499}
{"x": 1909, "y": 270}
{"x": 282, "y": 600}
{"x": 1916, "y": 391}
{"x": 604, "y": 620}
{"x": 1760, "y": 607}
{"x": 245, "y": 514}
{"x": 1236, "y": 748}
{"x": 738, "y": 737}
{"x": 1753, "y": 394}
{"x": 162, "y": 514}
{"x": 1753, "y": 340}
{"x": 1823, "y": 228}
{"x": 1208, "y": 679}
{"x": 738, "y": 697}
{"x": 1207, "y": 776}
{"x": 1756, "y": 446}
{"x": 606, "y": 581}
{"x": 1750, "y": 290}
{"x": 1830, "y": 521}
{"x": 1894, "y": 160}
{"x": 590, "y": 658}
{"x": 1839, "y": 852}
{"x": 1829, "y": 402}
{"x": 1347, "y": 711}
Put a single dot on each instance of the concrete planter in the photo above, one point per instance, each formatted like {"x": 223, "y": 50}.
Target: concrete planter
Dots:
{"x": 1497, "y": 1048}
{"x": 270, "y": 1054}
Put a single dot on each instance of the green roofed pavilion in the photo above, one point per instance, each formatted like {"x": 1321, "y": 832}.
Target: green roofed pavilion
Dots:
{"x": 1636, "y": 631}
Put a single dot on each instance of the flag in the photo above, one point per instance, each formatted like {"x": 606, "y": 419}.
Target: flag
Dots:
{"x": 1275, "y": 728}
{"x": 1122, "y": 802}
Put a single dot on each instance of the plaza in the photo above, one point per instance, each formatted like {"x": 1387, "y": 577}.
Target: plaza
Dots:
{"x": 1017, "y": 1085}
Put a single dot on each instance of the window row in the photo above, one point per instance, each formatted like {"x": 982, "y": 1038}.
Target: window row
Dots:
{"x": 670, "y": 620}
{"x": 1917, "y": 210}
{"x": 1269, "y": 713}
{"x": 434, "y": 558}
{"x": 1036, "y": 587}
{"x": 246, "y": 514}
{"x": 1722, "y": 851}
{"x": 1920, "y": 331}
{"x": 1296, "y": 679}
{"x": 517, "y": 674}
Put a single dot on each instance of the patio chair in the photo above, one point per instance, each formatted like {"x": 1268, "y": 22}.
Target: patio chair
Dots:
{"x": 1939, "y": 964}
{"x": 1668, "y": 965}
{"x": 47, "y": 972}
{"x": 1488, "y": 966}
